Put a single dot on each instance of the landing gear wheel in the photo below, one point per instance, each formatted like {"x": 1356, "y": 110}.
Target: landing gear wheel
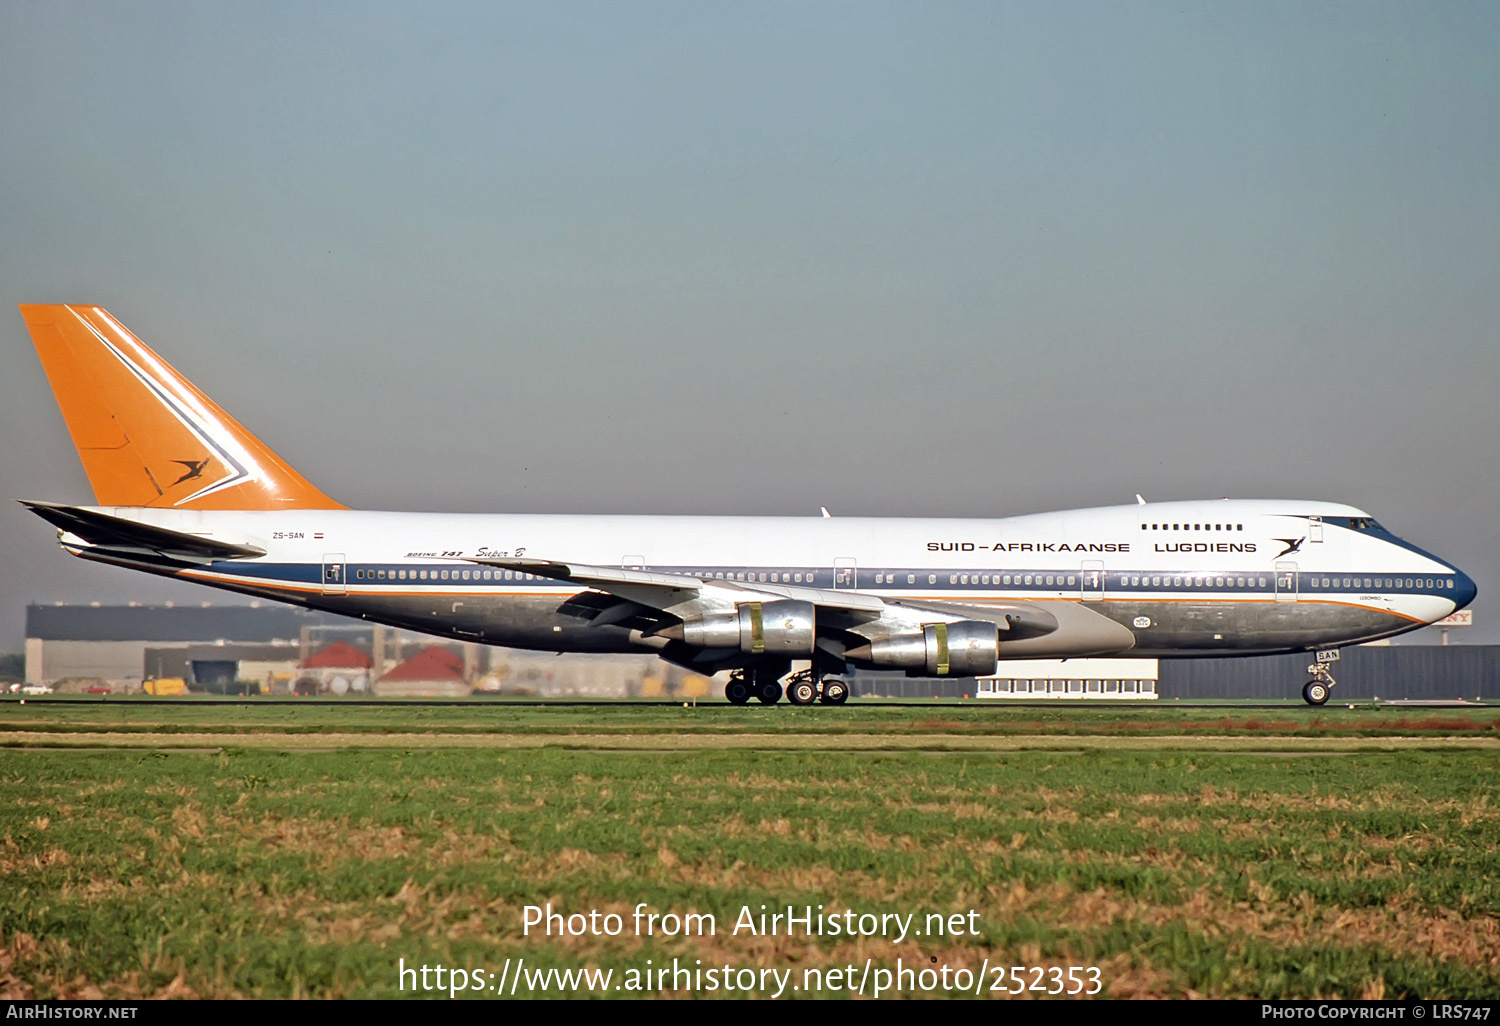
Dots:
{"x": 737, "y": 690}
{"x": 835, "y": 692}
{"x": 768, "y": 692}
{"x": 802, "y": 692}
{"x": 1315, "y": 692}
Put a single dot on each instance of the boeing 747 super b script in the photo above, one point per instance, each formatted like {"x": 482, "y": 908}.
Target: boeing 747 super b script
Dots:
{"x": 182, "y": 490}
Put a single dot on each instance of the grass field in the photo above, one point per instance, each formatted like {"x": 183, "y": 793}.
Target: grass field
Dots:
{"x": 299, "y": 851}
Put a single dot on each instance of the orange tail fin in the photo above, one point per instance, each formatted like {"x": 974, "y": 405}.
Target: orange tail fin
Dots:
{"x": 146, "y": 436}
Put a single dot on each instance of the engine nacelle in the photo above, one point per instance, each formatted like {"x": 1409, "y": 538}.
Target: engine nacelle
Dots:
{"x": 969, "y": 648}
{"x": 758, "y": 628}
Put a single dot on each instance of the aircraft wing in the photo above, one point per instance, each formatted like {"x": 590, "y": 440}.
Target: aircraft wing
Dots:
{"x": 682, "y": 595}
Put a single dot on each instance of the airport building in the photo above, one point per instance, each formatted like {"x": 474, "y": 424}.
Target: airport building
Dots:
{"x": 122, "y": 646}
{"x": 282, "y": 648}
{"x": 276, "y": 648}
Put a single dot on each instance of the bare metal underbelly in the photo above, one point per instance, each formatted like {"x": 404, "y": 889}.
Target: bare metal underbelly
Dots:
{"x": 1184, "y": 628}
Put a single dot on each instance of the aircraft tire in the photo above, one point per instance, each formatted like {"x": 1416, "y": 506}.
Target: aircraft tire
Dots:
{"x": 803, "y": 692}
{"x": 768, "y": 692}
{"x": 1315, "y": 692}
{"x": 835, "y": 692}
{"x": 737, "y": 691}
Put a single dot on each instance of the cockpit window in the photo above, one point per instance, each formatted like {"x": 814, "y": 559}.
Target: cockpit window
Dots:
{"x": 1364, "y": 524}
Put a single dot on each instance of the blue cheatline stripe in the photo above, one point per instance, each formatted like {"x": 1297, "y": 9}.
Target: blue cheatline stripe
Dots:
{"x": 875, "y": 579}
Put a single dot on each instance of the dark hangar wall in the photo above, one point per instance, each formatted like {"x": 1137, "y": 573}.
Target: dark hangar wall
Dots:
{"x": 1395, "y": 671}
{"x": 1388, "y": 672}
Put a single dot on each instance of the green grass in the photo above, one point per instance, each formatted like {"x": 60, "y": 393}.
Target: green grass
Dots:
{"x": 201, "y": 716}
{"x": 267, "y": 873}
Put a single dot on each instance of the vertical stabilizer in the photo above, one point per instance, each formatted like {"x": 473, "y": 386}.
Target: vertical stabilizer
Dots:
{"x": 146, "y": 435}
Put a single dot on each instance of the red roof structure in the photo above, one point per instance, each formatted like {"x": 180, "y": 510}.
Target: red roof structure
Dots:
{"x": 430, "y": 664}
{"x": 338, "y": 656}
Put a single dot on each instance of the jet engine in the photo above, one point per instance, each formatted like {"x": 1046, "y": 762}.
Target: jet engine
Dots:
{"x": 759, "y": 628}
{"x": 969, "y": 648}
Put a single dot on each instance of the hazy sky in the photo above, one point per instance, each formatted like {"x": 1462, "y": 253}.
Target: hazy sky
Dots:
{"x": 912, "y": 259}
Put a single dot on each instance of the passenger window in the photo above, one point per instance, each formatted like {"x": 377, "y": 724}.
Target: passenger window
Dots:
{"x": 1070, "y": 581}
{"x": 911, "y": 578}
{"x": 953, "y": 578}
{"x": 932, "y": 578}
{"x": 1028, "y": 578}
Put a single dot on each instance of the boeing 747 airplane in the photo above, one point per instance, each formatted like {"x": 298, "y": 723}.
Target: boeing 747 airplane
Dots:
{"x": 182, "y": 490}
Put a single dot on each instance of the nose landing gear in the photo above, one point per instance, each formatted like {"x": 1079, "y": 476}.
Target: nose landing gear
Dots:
{"x": 1315, "y": 691}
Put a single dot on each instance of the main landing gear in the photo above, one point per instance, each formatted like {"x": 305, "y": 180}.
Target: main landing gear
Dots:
{"x": 1315, "y": 691}
{"x": 803, "y": 688}
{"x": 747, "y": 684}
{"x": 806, "y": 687}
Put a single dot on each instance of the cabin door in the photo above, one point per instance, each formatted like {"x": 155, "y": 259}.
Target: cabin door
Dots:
{"x": 1092, "y": 579}
{"x": 1286, "y": 582}
{"x": 333, "y": 573}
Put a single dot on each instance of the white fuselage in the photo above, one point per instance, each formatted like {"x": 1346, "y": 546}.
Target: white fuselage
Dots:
{"x": 1184, "y": 578}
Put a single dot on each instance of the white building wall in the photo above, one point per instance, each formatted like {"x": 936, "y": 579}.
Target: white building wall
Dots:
{"x": 1071, "y": 679}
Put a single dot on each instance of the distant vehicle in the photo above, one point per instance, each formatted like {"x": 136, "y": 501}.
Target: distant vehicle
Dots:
{"x": 165, "y": 686}
{"x": 100, "y": 689}
{"x": 184, "y": 491}
{"x": 35, "y": 689}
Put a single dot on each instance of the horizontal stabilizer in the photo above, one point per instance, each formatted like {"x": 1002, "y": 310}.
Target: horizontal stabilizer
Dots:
{"x": 104, "y": 531}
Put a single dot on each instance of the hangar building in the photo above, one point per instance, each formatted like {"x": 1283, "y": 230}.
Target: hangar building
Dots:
{"x": 123, "y": 645}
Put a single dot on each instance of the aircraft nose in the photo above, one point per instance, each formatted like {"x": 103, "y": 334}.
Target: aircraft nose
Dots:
{"x": 1464, "y": 589}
